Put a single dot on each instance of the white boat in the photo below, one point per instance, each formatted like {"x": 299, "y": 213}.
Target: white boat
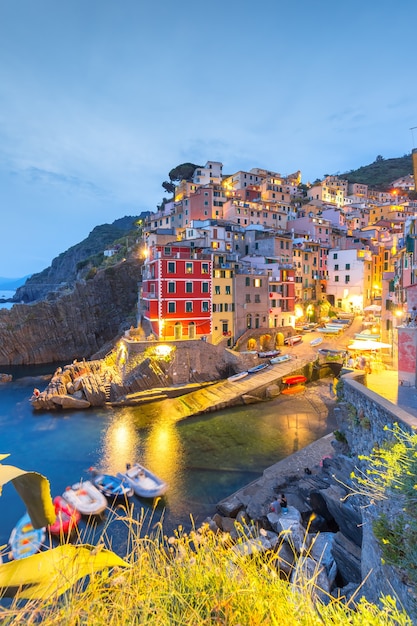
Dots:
{"x": 238, "y": 376}
{"x": 329, "y": 331}
{"x": 317, "y": 341}
{"x": 280, "y": 359}
{"x": 85, "y": 498}
{"x": 293, "y": 340}
{"x": 143, "y": 482}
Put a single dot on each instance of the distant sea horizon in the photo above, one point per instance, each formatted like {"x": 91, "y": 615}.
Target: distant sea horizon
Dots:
{"x": 6, "y": 294}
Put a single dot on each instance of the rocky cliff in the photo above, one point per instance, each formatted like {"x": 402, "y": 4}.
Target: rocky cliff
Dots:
{"x": 75, "y": 262}
{"x": 75, "y": 325}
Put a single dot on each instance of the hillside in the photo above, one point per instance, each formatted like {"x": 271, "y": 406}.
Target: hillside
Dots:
{"x": 381, "y": 173}
{"x": 81, "y": 260}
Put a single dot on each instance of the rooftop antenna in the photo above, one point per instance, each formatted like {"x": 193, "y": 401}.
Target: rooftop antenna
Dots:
{"x": 412, "y": 133}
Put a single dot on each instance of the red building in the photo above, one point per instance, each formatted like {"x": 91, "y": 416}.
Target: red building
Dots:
{"x": 176, "y": 294}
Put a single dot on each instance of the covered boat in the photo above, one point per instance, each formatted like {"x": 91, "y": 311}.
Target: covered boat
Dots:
{"x": 25, "y": 540}
{"x": 238, "y": 376}
{"x": 258, "y": 368}
{"x": 85, "y": 498}
{"x": 143, "y": 482}
{"x": 67, "y": 517}
{"x": 111, "y": 486}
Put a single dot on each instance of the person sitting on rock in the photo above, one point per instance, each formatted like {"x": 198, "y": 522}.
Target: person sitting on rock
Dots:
{"x": 283, "y": 503}
{"x": 275, "y": 507}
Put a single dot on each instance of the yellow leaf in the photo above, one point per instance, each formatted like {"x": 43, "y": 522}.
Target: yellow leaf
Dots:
{"x": 34, "y": 489}
{"x": 51, "y": 573}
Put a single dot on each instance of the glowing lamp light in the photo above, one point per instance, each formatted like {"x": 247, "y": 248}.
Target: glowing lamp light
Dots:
{"x": 162, "y": 350}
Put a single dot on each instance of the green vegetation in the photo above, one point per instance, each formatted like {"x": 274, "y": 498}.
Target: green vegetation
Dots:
{"x": 382, "y": 172}
{"x": 196, "y": 579}
{"x": 391, "y": 477}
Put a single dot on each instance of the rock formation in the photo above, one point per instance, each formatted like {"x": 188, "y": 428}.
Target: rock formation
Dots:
{"x": 77, "y": 324}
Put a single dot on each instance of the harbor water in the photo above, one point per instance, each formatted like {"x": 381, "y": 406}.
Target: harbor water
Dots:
{"x": 204, "y": 458}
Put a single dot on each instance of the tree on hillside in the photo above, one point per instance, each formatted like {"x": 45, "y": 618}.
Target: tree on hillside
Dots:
{"x": 184, "y": 171}
{"x": 169, "y": 187}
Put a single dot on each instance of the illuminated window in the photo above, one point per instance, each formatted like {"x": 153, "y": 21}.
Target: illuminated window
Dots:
{"x": 257, "y": 282}
{"x": 188, "y": 268}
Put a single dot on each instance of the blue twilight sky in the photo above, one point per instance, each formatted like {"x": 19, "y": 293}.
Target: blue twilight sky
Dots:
{"x": 99, "y": 99}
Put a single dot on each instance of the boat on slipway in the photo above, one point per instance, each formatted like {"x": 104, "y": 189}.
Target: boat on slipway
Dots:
{"x": 258, "y": 368}
{"x": 293, "y": 389}
{"x": 25, "y": 540}
{"x": 85, "y": 498}
{"x": 297, "y": 379}
{"x": 316, "y": 342}
{"x": 270, "y": 354}
{"x": 280, "y": 359}
{"x": 144, "y": 483}
{"x": 238, "y": 376}
{"x": 293, "y": 340}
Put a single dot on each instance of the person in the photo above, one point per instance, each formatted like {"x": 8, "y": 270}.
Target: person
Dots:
{"x": 275, "y": 507}
{"x": 283, "y": 503}
{"x": 351, "y": 361}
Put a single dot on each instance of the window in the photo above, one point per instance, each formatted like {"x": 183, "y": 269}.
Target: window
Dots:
{"x": 171, "y": 267}
{"x": 336, "y": 267}
{"x": 228, "y": 290}
{"x": 205, "y": 306}
{"x": 171, "y": 287}
{"x": 347, "y": 266}
{"x": 336, "y": 279}
{"x": 188, "y": 268}
{"x": 247, "y": 299}
{"x": 257, "y": 282}
{"x": 347, "y": 278}
{"x": 171, "y": 307}
{"x": 247, "y": 281}
{"x": 257, "y": 298}
{"x": 188, "y": 307}
{"x": 205, "y": 287}
{"x": 204, "y": 268}
{"x": 335, "y": 255}
{"x": 188, "y": 287}
{"x": 217, "y": 290}
{"x": 167, "y": 251}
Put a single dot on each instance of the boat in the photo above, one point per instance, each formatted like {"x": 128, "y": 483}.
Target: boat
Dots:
{"x": 329, "y": 331}
{"x": 85, "y": 498}
{"x": 111, "y": 486}
{"x": 297, "y": 379}
{"x": 293, "y": 340}
{"x": 67, "y": 517}
{"x": 289, "y": 391}
{"x": 317, "y": 341}
{"x": 270, "y": 354}
{"x": 25, "y": 540}
{"x": 143, "y": 482}
{"x": 238, "y": 376}
{"x": 280, "y": 359}
{"x": 258, "y": 368}
{"x": 331, "y": 352}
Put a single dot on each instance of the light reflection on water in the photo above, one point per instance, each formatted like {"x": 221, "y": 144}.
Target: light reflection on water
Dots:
{"x": 203, "y": 459}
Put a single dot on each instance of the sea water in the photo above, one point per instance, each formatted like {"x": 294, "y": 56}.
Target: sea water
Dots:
{"x": 203, "y": 459}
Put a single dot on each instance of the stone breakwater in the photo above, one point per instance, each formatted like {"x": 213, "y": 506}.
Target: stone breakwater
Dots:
{"x": 321, "y": 534}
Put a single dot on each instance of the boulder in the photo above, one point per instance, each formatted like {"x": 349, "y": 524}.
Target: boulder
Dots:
{"x": 348, "y": 517}
{"x": 348, "y": 559}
